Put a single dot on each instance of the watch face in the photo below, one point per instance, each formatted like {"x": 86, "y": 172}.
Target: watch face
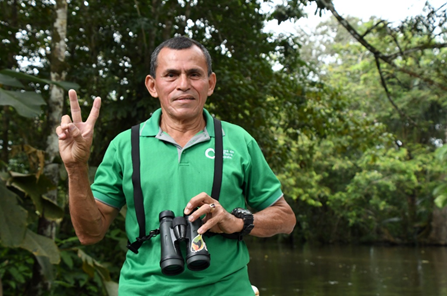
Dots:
{"x": 240, "y": 212}
{"x": 245, "y": 212}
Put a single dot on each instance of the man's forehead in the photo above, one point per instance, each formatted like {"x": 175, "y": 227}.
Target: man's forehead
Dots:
{"x": 192, "y": 54}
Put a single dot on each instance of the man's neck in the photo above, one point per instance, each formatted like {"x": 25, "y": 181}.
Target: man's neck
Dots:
{"x": 182, "y": 131}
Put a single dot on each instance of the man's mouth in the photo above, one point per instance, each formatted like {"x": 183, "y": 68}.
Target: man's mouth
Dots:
{"x": 184, "y": 99}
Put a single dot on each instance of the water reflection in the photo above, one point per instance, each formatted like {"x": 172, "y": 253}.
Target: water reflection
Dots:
{"x": 282, "y": 270}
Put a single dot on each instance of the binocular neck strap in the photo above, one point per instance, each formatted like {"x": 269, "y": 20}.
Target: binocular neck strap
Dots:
{"x": 136, "y": 181}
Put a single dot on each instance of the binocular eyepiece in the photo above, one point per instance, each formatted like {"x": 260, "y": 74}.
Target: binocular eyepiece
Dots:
{"x": 173, "y": 231}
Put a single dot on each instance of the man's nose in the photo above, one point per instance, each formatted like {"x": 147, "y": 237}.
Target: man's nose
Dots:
{"x": 183, "y": 82}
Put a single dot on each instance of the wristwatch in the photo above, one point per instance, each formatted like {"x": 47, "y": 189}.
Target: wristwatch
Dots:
{"x": 247, "y": 216}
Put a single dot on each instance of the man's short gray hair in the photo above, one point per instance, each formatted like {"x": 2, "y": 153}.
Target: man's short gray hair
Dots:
{"x": 179, "y": 43}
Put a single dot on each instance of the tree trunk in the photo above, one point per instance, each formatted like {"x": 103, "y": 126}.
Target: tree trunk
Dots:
{"x": 11, "y": 63}
{"x": 47, "y": 227}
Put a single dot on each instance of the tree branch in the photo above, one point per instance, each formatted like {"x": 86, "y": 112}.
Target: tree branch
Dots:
{"x": 416, "y": 48}
{"x": 383, "y": 81}
{"x": 389, "y": 59}
{"x": 372, "y": 28}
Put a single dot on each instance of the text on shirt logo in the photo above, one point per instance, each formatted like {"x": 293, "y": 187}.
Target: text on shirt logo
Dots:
{"x": 226, "y": 153}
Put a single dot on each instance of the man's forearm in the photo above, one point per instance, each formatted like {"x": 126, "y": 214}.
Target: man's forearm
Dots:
{"x": 87, "y": 219}
{"x": 278, "y": 218}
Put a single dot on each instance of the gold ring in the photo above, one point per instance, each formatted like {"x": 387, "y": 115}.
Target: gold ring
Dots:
{"x": 212, "y": 207}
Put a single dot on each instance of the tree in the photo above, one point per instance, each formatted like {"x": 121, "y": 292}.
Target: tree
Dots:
{"x": 14, "y": 231}
{"x": 41, "y": 278}
{"x": 109, "y": 45}
{"x": 352, "y": 61}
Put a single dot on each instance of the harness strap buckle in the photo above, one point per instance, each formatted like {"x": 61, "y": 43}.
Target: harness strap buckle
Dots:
{"x": 139, "y": 240}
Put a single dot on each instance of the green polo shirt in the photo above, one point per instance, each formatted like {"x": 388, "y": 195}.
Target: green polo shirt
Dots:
{"x": 170, "y": 177}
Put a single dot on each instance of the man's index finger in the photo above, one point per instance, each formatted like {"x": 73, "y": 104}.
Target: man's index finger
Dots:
{"x": 74, "y": 106}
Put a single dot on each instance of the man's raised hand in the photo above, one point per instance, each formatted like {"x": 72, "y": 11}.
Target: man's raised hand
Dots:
{"x": 75, "y": 136}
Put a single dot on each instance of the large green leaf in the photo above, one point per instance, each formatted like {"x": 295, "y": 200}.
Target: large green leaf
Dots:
{"x": 35, "y": 189}
{"x": 9, "y": 81}
{"x": 111, "y": 288}
{"x": 19, "y": 75}
{"x": 65, "y": 85}
{"x": 13, "y": 218}
{"x": 51, "y": 211}
{"x": 26, "y": 103}
{"x": 90, "y": 265}
{"x": 46, "y": 267}
{"x": 24, "y": 76}
{"x": 40, "y": 245}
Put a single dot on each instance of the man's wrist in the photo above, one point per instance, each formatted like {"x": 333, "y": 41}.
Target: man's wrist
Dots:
{"x": 76, "y": 169}
{"x": 239, "y": 224}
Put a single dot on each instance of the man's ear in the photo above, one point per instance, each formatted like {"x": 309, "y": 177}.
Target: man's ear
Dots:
{"x": 150, "y": 85}
{"x": 212, "y": 83}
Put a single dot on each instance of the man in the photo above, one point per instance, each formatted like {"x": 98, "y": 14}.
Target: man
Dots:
{"x": 177, "y": 162}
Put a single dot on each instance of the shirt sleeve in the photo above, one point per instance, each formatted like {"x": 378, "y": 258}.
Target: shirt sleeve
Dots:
{"x": 262, "y": 186}
{"x": 107, "y": 187}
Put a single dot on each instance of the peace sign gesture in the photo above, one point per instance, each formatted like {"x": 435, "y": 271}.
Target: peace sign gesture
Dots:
{"x": 75, "y": 137}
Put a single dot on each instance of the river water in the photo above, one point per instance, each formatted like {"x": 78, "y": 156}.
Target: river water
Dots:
{"x": 347, "y": 270}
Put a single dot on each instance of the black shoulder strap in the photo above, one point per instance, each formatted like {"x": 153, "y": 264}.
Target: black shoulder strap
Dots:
{"x": 218, "y": 159}
{"x": 137, "y": 192}
{"x": 136, "y": 180}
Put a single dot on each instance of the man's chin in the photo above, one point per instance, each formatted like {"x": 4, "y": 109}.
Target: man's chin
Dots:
{"x": 185, "y": 112}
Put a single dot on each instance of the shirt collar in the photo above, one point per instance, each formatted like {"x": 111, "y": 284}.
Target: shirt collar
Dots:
{"x": 151, "y": 127}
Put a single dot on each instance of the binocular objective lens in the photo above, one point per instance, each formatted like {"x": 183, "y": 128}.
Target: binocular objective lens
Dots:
{"x": 198, "y": 262}
{"x": 198, "y": 265}
{"x": 172, "y": 269}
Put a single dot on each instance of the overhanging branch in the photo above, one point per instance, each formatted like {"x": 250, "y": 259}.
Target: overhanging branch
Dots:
{"x": 383, "y": 81}
{"x": 378, "y": 55}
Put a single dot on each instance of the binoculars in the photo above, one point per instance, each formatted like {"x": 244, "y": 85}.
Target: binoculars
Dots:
{"x": 175, "y": 230}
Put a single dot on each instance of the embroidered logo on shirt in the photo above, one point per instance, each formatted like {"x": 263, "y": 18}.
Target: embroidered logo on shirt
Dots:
{"x": 228, "y": 154}
{"x": 210, "y": 153}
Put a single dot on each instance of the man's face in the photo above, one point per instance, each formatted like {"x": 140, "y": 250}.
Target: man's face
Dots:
{"x": 182, "y": 83}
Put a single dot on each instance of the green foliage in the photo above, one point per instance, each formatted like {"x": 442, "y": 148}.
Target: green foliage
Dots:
{"x": 13, "y": 219}
{"x": 392, "y": 186}
{"x": 110, "y": 54}
{"x": 15, "y": 270}
{"x": 26, "y": 103}
{"x": 14, "y": 231}
{"x": 109, "y": 46}
{"x": 352, "y": 167}
{"x": 440, "y": 192}
{"x": 379, "y": 185}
